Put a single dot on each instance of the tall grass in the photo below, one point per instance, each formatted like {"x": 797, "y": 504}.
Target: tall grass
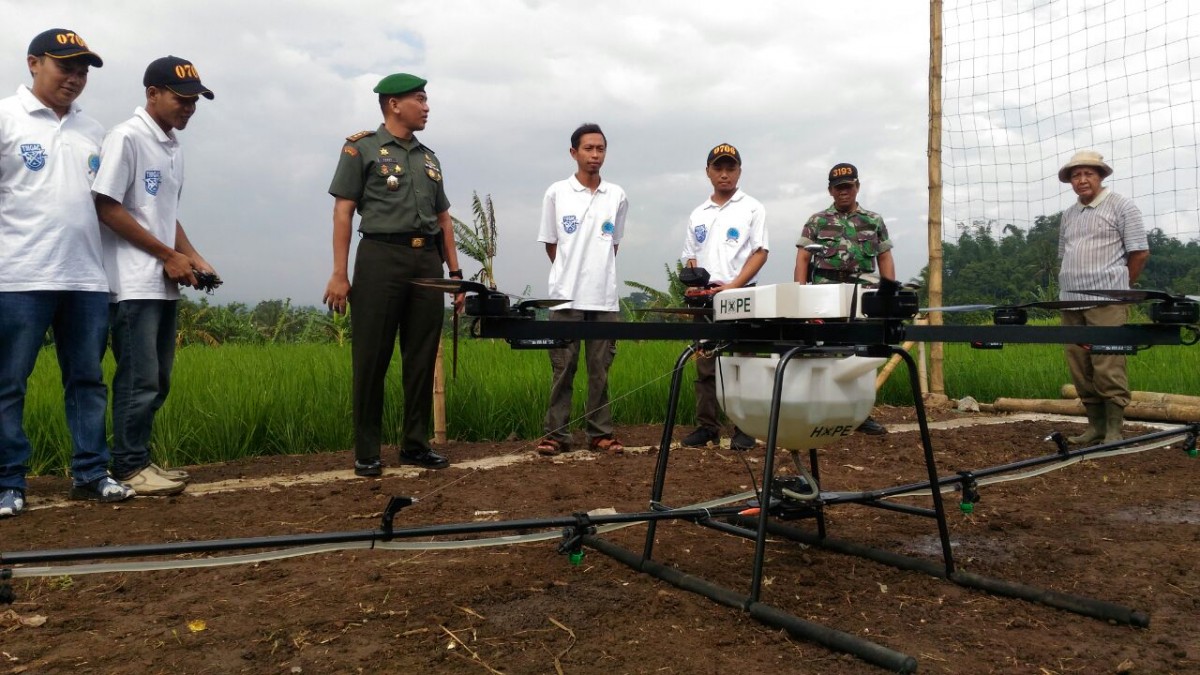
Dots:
{"x": 243, "y": 400}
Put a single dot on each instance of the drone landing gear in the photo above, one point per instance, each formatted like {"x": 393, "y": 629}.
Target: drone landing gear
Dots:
{"x": 798, "y": 497}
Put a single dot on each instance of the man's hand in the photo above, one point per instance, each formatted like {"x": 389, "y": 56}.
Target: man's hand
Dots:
{"x": 460, "y": 301}
{"x": 178, "y": 268}
{"x": 336, "y": 292}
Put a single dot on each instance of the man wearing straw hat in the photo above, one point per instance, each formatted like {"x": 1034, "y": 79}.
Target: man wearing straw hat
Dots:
{"x": 1102, "y": 245}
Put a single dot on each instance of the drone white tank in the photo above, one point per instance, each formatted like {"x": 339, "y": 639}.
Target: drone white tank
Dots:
{"x": 786, "y": 301}
{"x": 823, "y": 399}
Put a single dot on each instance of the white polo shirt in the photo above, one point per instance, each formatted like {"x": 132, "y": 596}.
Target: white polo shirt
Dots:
{"x": 722, "y": 238}
{"x": 141, "y": 166}
{"x": 49, "y": 233}
{"x": 586, "y": 226}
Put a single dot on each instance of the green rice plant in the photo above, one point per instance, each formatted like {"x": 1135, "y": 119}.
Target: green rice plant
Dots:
{"x": 242, "y": 400}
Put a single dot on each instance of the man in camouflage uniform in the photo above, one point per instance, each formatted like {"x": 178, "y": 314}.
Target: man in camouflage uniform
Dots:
{"x": 852, "y": 240}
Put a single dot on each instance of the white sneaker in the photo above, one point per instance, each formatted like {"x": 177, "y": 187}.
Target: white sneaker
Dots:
{"x": 12, "y": 502}
{"x": 104, "y": 489}
{"x": 177, "y": 475}
{"x": 149, "y": 482}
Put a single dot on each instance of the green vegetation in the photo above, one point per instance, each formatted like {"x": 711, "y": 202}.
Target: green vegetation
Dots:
{"x": 252, "y": 399}
{"x": 1023, "y": 266}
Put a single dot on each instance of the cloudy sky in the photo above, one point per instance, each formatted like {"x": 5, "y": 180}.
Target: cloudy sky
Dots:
{"x": 797, "y": 86}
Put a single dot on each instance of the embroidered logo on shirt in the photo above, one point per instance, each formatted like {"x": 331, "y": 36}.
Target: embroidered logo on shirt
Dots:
{"x": 701, "y": 233}
{"x": 35, "y": 156}
{"x": 732, "y": 234}
{"x": 570, "y": 224}
{"x": 93, "y": 164}
{"x": 608, "y": 229}
{"x": 153, "y": 179}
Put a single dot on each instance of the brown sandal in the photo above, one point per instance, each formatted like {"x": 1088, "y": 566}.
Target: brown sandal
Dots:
{"x": 607, "y": 445}
{"x": 550, "y": 447}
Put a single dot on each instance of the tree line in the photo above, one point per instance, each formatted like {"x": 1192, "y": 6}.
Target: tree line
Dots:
{"x": 1015, "y": 266}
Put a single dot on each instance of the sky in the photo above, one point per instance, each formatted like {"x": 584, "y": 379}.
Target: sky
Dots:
{"x": 796, "y": 86}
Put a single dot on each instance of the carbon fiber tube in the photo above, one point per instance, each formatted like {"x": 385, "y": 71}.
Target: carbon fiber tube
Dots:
{"x": 831, "y": 638}
{"x": 834, "y": 639}
{"x": 1098, "y": 609}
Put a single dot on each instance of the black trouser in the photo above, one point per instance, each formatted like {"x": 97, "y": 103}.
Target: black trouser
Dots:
{"x": 383, "y": 305}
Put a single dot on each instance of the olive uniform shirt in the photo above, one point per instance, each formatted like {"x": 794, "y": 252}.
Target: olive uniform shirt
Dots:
{"x": 396, "y": 185}
{"x": 852, "y": 240}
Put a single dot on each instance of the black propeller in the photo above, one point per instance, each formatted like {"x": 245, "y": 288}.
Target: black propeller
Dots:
{"x": 1165, "y": 307}
{"x": 1016, "y": 315}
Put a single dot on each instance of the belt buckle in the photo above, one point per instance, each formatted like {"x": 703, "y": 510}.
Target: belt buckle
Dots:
{"x": 418, "y": 242}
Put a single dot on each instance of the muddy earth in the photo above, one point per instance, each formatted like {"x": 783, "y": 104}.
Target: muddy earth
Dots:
{"x": 1123, "y": 529}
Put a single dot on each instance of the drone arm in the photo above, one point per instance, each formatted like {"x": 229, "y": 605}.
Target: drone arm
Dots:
{"x": 1136, "y": 262}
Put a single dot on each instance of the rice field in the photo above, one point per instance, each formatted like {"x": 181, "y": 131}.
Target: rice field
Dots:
{"x": 241, "y": 400}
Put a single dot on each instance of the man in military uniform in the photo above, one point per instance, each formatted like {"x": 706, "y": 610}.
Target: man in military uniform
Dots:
{"x": 395, "y": 184}
{"x": 851, "y": 238}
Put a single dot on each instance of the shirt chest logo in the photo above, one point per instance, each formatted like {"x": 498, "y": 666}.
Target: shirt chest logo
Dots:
{"x": 701, "y": 233}
{"x": 34, "y": 156}
{"x": 607, "y": 230}
{"x": 152, "y": 179}
{"x": 732, "y": 234}
{"x": 570, "y": 224}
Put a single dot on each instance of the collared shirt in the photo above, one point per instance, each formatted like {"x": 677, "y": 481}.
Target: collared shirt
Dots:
{"x": 141, "y": 166}
{"x": 721, "y": 238}
{"x": 49, "y": 233}
{"x": 586, "y": 226}
{"x": 1094, "y": 243}
{"x": 851, "y": 240}
{"x": 395, "y": 184}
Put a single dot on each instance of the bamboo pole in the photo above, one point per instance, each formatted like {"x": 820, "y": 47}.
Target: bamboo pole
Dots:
{"x": 1158, "y": 412}
{"x": 439, "y": 398}
{"x": 1068, "y": 391}
{"x": 888, "y": 367}
{"x": 936, "y": 382}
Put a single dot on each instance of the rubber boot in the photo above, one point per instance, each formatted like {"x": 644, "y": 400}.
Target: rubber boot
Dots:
{"x": 1114, "y": 419}
{"x": 1096, "y": 425}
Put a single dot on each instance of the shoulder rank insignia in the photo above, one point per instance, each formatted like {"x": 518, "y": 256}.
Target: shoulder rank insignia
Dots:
{"x": 359, "y": 135}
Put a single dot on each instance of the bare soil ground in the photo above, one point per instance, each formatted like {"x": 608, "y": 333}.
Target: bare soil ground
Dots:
{"x": 1124, "y": 529}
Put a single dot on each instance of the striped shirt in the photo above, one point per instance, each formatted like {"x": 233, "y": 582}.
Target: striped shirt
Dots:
{"x": 1094, "y": 243}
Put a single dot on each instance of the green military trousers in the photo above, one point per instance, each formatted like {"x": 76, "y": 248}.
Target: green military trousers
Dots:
{"x": 383, "y": 305}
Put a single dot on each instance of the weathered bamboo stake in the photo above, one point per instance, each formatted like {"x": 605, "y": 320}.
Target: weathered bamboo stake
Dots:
{"x": 439, "y": 399}
{"x": 888, "y": 367}
{"x": 1068, "y": 391}
{"x": 1158, "y": 412}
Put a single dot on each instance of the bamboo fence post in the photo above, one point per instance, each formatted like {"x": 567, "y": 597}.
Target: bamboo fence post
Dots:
{"x": 936, "y": 382}
{"x": 439, "y": 398}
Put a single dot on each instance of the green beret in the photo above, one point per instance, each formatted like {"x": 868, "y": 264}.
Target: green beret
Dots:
{"x": 399, "y": 83}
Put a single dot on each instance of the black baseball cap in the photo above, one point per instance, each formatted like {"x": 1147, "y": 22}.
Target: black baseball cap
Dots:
{"x": 61, "y": 43}
{"x": 842, "y": 173}
{"x": 176, "y": 74}
{"x": 723, "y": 150}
